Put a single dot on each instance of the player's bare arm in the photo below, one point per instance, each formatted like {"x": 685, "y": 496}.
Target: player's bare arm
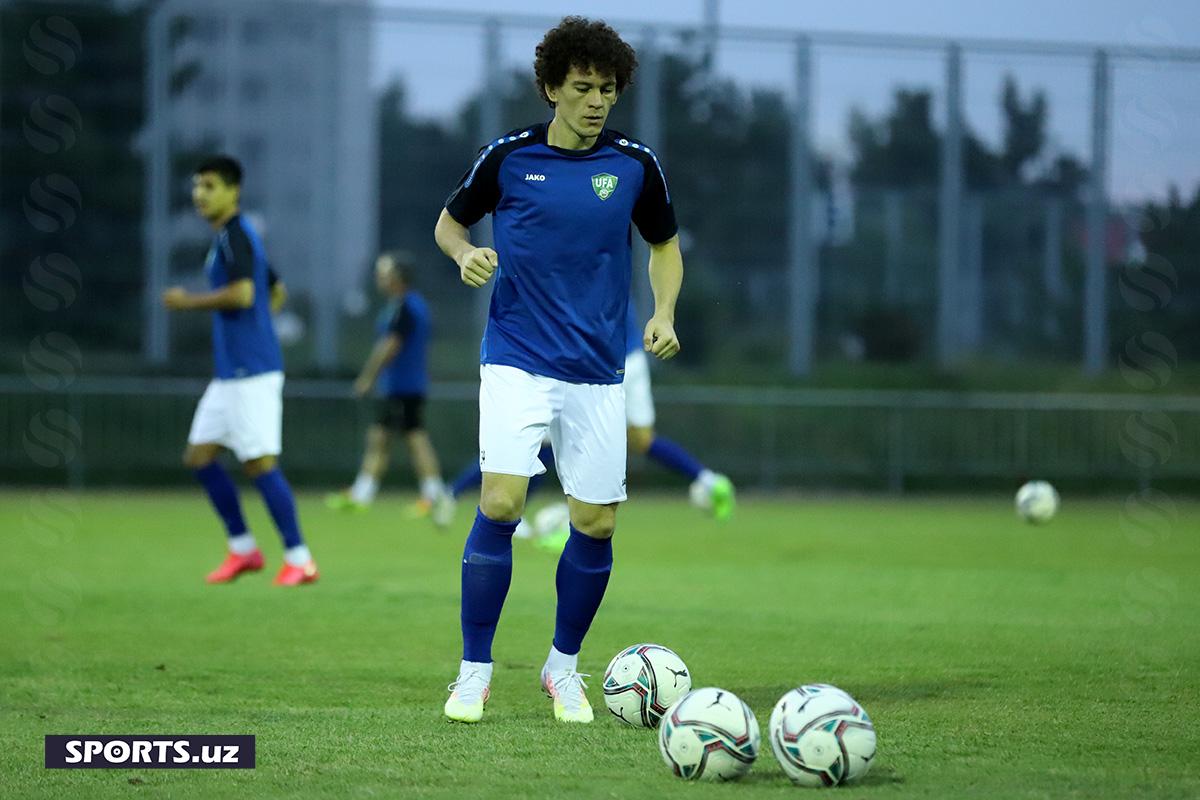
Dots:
{"x": 384, "y": 351}
{"x": 234, "y": 296}
{"x": 666, "y": 276}
{"x": 475, "y": 264}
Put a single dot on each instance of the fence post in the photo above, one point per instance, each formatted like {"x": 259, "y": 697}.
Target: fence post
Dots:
{"x": 950, "y": 197}
{"x": 803, "y": 269}
{"x": 895, "y": 447}
{"x": 1095, "y": 307}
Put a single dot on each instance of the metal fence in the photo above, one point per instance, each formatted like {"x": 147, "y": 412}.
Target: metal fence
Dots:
{"x": 132, "y": 431}
{"x": 933, "y": 247}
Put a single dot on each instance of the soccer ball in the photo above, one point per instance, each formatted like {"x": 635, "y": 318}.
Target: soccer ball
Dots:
{"x": 709, "y": 734}
{"x": 641, "y": 681}
{"x": 1037, "y": 501}
{"x": 821, "y": 736}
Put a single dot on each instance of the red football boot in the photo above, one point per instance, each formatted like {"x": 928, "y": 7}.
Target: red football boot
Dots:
{"x": 235, "y": 565}
{"x": 294, "y": 576}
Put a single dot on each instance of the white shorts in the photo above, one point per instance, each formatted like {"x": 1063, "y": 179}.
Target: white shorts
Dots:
{"x": 242, "y": 414}
{"x": 639, "y": 402}
{"x": 586, "y": 423}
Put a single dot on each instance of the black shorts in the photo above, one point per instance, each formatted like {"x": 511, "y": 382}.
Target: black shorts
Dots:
{"x": 401, "y": 412}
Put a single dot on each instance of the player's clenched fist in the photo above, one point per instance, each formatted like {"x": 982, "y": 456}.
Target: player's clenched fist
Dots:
{"x": 476, "y": 266}
{"x": 659, "y": 338}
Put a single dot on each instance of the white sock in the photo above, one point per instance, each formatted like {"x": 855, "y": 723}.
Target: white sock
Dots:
{"x": 243, "y": 544}
{"x": 559, "y": 662}
{"x": 297, "y": 556}
{"x": 364, "y": 489}
{"x": 483, "y": 668}
{"x": 432, "y": 489}
{"x": 707, "y": 478}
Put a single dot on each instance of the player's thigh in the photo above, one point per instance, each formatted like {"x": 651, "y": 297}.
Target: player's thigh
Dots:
{"x": 515, "y": 412}
{"x": 589, "y": 443}
{"x": 639, "y": 399}
{"x": 210, "y": 424}
{"x": 256, "y": 416}
{"x": 197, "y": 456}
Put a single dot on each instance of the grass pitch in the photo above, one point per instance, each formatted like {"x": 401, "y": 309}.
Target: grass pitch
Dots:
{"x": 996, "y": 659}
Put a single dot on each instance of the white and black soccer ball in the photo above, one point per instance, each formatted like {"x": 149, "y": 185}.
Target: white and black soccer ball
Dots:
{"x": 552, "y": 519}
{"x": 1037, "y": 502}
{"x": 642, "y": 680}
{"x": 821, "y": 736}
{"x": 709, "y": 734}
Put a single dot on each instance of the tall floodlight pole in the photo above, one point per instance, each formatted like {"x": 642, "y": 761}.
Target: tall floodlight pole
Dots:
{"x": 490, "y": 122}
{"x": 648, "y": 108}
{"x": 156, "y": 345}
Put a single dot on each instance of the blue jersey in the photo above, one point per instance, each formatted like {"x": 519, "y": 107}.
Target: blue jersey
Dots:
{"x": 561, "y": 224}
{"x": 409, "y": 319}
{"x": 244, "y": 342}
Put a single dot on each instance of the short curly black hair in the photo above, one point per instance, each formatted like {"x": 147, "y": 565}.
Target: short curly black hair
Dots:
{"x": 582, "y": 43}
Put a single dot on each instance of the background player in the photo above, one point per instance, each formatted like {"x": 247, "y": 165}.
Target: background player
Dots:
{"x": 562, "y": 196}
{"x": 242, "y": 408}
{"x": 398, "y": 363}
{"x": 708, "y": 489}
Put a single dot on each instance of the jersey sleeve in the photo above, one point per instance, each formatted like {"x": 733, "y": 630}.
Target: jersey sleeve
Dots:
{"x": 401, "y": 323}
{"x": 478, "y": 192}
{"x": 239, "y": 254}
{"x": 653, "y": 213}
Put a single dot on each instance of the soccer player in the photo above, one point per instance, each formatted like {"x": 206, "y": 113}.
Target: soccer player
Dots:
{"x": 398, "y": 364}
{"x": 562, "y": 196}
{"x": 242, "y": 408}
{"x": 708, "y": 490}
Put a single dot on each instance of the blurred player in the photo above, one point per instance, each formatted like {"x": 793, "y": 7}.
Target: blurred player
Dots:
{"x": 562, "y": 196}
{"x": 242, "y": 408}
{"x": 708, "y": 490}
{"x": 398, "y": 364}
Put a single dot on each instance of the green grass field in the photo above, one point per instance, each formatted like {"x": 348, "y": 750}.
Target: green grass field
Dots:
{"x": 996, "y": 659}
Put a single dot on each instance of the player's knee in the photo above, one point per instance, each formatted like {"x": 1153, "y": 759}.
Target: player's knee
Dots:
{"x": 598, "y": 522}
{"x": 258, "y": 466}
{"x": 501, "y": 505}
{"x": 195, "y": 458}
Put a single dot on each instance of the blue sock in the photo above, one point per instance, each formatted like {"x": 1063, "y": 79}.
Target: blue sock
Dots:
{"x": 224, "y": 497}
{"x": 672, "y": 456}
{"x": 546, "y": 455}
{"x": 581, "y": 579}
{"x": 278, "y": 496}
{"x": 486, "y": 574}
{"x": 469, "y": 477}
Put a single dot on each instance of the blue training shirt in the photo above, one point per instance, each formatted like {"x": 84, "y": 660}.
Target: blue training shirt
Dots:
{"x": 244, "y": 342}
{"x": 408, "y": 318}
{"x": 561, "y": 225}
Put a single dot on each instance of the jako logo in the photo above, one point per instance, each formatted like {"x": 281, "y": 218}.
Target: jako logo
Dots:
{"x": 533, "y": 176}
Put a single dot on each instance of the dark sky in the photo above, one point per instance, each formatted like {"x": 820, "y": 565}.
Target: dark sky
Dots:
{"x": 1155, "y": 105}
